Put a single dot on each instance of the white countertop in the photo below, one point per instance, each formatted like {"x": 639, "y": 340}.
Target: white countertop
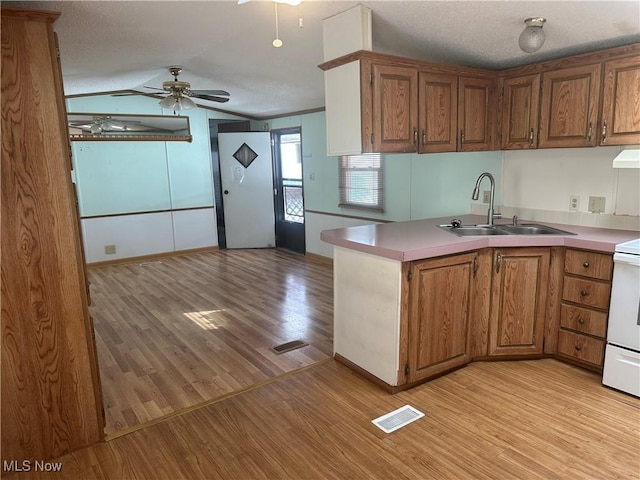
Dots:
{"x": 418, "y": 239}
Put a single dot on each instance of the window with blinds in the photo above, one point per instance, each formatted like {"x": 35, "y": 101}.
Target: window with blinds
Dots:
{"x": 362, "y": 182}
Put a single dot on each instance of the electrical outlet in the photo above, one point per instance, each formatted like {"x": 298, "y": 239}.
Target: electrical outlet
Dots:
{"x": 486, "y": 196}
{"x": 109, "y": 249}
{"x": 574, "y": 203}
{"x": 312, "y": 176}
{"x": 596, "y": 204}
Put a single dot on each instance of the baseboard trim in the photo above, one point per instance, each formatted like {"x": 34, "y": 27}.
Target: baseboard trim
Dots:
{"x": 155, "y": 256}
{"x": 319, "y": 258}
{"x": 368, "y": 375}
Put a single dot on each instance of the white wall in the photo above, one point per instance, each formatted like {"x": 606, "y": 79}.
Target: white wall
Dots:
{"x": 537, "y": 184}
{"x": 144, "y": 198}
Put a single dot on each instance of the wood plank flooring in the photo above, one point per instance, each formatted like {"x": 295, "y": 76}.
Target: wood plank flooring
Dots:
{"x": 183, "y": 330}
{"x": 537, "y": 419}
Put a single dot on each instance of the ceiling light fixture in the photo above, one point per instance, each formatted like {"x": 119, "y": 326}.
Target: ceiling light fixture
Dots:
{"x": 177, "y": 101}
{"x": 532, "y": 37}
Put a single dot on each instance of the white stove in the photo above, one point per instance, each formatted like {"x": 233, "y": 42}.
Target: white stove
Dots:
{"x": 622, "y": 353}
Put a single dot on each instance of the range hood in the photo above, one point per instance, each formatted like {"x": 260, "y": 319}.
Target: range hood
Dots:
{"x": 628, "y": 158}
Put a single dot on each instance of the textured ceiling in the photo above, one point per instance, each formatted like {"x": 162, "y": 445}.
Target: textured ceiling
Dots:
{"x": 118, "y": 45}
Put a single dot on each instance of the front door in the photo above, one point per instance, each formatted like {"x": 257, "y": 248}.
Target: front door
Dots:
{"x": 289, "y": 194}
{"x": 246, "y": 175}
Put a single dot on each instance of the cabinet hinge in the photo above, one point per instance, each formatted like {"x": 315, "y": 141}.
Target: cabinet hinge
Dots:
{"x": 371, "y": 79}
{"x": 372, "y": 138}
{"x": 409, "y": 275}
{"x": 406, "y": 369}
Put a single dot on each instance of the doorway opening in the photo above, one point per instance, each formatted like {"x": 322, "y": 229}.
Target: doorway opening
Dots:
{"x": 289, "y": 199}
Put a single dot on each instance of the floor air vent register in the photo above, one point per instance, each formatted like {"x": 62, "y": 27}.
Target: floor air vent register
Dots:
{"x": 392, "y": 421}
{"x": 287, "y": 347}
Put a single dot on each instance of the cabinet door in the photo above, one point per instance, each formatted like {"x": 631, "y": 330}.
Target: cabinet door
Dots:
{"x": 438, "y": 109}
{"x": 570, "y": 99}
{"x": 474, "y": 125}
{"x": 520, "y": 281}
{"x": 520, "y": 106}
{"x": 621, "y": 103}
{"x": 440, "y": 311}
{"x": 394, "y": 109}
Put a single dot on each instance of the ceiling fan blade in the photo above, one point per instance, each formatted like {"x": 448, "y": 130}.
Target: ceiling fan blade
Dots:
{"x": 154, "y": 88}
{"x": 210, "y": 92}
{"x": 211, "y": 98}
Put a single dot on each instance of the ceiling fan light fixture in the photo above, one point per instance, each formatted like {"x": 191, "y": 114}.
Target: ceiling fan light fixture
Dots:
{"x": 532, "y": 37}
{"x": 187, "y": 103}
{"x": 171, "y": 102}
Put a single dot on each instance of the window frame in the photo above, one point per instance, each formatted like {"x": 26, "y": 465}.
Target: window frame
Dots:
{"x": 345, "y": 187}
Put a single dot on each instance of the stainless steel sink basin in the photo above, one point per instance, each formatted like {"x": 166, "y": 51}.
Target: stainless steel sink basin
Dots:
{"x": 523, "y": 229}
{"x": 473, "y": 230}
{"x": 532, "y": 229}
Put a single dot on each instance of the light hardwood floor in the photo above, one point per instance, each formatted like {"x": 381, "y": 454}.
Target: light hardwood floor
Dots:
{"x": 536, "y": 419}
{"x": 183, "y": 330}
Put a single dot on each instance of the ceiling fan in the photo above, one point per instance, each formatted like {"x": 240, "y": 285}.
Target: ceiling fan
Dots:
{"x": 100, "y": 124}
{"x": 180, "y": 91}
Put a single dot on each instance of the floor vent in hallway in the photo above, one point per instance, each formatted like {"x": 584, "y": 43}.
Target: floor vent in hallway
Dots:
{"x": 287, "y": 347}
{"x": 397, "y": 419}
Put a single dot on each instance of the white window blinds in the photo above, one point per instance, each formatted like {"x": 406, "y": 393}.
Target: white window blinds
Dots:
{"x": 362, "y": 182}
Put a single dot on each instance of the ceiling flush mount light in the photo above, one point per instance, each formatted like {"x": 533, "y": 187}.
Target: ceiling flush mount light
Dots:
{"x": 532, "y": 37}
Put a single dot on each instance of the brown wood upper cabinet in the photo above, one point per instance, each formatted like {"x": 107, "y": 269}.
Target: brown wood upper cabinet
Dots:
{"x": 620, "y": 122}
{"x": 395, "y": 109}
{"x": 426, "y": 112}
{"x": 520, "y": 112}
{"x": 474, "y": 121}
{"x": 569, "y": 111}
{"x": 437, "y": 112}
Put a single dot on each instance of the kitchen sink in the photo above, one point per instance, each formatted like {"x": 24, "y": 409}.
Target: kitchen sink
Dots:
{"x": 521, "y": 229}
{"x": 532, "y": 229}
{"x": 472, "y": 230}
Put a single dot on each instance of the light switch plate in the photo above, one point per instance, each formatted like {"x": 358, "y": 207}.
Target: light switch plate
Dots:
{"x": 596, "y": 204}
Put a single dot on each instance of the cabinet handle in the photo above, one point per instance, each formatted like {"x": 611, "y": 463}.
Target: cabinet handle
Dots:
{"x": 498, "y": 262}
{"x": 581, "y": 321}
{"x": 578, "y": 347}
{"x": 461, "y": 137}
{"x": 415, "y": 136}
{"x": 589, "y": 132}
{"x": 585, "y": 264}
{"x": 604, "y": 132}
{"x": 424, "y": 138}
{"x": 584, "y": 293}
{"x": 475, "y": 266}
{"x": 531, "y": 138}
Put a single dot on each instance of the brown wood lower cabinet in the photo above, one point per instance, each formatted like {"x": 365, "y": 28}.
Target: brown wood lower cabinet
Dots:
{"x": 586, "y": 292}
{"x": 442, "y": 298}
{"x": 518, "y": 300}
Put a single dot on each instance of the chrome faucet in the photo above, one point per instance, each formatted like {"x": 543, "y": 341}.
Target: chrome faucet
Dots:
{"x": 476, "y": 193}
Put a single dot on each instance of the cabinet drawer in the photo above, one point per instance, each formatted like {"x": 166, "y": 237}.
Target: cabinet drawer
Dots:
{"x": 581, "y": 347}
{"x": 588, "y": 264}
{"x": 586, "y": 292}
{"x": 586, "y": 321}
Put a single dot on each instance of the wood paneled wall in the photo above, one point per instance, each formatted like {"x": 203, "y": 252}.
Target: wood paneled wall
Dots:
{"x": 51, "y": 401}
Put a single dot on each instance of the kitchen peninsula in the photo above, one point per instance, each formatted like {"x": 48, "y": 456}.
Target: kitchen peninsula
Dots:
{"x": 413, "y": 301}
